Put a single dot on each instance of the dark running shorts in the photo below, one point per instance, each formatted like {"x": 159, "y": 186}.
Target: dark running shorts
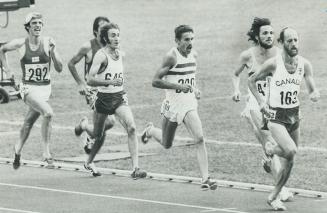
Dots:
{"x": 290, "y": 118}
{"x": 107, "y": 103}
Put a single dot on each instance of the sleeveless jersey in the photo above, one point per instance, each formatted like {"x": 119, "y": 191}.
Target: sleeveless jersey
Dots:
{"x": 261, "y": 85}
{"x": 182, "y": 73}
{"x": 95, "y": 46}
{"x": 113, "y": 70}
{"x": 35, "y": 65}
{"x": 285, "y": 86}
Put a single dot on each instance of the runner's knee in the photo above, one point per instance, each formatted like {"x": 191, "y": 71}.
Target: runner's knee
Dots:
{"x": 48, "y": 114}
{"x": 109, "y": 124}
{"x": 131, "y": 130}
{"x": 199, "y": 140}
{"x": 290, "y": 152}
{"x": 167, "y": 145}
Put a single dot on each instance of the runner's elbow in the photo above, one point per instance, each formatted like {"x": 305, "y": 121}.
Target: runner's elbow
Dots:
{"x": 155, "y": 83}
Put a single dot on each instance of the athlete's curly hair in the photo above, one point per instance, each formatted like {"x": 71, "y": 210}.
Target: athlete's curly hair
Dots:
{"x": 104, "y": 32}
{"x": 255, "y": 28}
{"x": 96, "y": 23}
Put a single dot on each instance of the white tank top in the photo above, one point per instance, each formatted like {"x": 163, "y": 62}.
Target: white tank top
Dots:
{"x": 113, "y": 70}
{"x": 182, "y": 73}
{"x": 284, "y": 86}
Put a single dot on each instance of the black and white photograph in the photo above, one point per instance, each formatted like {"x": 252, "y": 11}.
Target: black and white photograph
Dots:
{"x": 165, "y": 106}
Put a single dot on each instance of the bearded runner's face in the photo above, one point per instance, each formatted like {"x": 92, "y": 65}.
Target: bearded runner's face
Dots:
{"x": 291, "y": 42}
{"x": 266, "y": 37}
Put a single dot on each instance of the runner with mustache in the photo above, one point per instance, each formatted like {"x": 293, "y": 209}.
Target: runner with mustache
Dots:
{"x": 262, "y": 35}
{"x": 177, "y": 76}
{"x": 282, "y": 107}
{"x": 36, "y": 52}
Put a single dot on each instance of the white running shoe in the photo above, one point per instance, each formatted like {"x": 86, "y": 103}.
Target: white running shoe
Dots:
{"x": 266, "y": 164}
{"x": 269, "y": 148}
{"x": 88, "y": 144}
{"x": 285, "y": 195}
{"x": 91, "y": 167}
{"x": 145, "y": 137}
{"x": 79, "y": 127}
{"x": 276, "y": 204}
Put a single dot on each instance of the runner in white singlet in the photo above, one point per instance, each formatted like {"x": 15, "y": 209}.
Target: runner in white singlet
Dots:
{"x": 106, "y": 74}
{"x": 177, "y": 76}
{"x": 282, "y": 107}
{"x": 262, "y": 34}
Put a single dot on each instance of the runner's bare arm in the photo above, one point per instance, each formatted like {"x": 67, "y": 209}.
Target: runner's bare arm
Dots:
{"x": 100, "y": 60}
{"x": 168, "y": 62}
{"x": 57, "y": 61}
{"x": 82, "y": 52}
{"x": 10, "y": 46}
{"x": 310, "y": 83}
{"x": 243, "y": 61}
{"x": 265, "y": 70}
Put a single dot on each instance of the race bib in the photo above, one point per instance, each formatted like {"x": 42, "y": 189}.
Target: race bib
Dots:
{"x": 125, "y": 99}
{"x": 272, "y": 114}
{"x": 37, "y": 72}
{"x": 165, "y": 107}
{"x": 261, "y": 87}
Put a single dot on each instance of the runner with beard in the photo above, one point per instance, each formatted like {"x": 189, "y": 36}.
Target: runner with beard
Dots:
{"x": 282, "y": 107}
{"x": 262, "y": 35}
{"x": 177, "y": 76}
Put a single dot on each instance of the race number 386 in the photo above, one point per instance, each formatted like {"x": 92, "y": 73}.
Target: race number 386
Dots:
{"x": 37, "y": 72}
{"x": 190, "y": 81}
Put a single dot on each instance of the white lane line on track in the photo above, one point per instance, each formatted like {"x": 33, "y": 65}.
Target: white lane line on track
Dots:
{"x": 121, "y": 198}
{"x": 16, "y": 210}
{"x": 212, "y": 210}
{"x": 210, "y": 141}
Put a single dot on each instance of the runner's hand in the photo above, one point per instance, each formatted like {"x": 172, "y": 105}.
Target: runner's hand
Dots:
{"x": 52, "y": 44}
{"x": 117, "y": 82}
{"x": 185, "y": 87}
{"x": 197, "y": 93}
{"x": 82, "y": 89}
{"x": 314, "y": 96}
{"x": 236, "y": 96}
{"x": 264, "y": 108}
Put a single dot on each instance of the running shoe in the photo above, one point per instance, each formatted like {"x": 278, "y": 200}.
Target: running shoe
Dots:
{"x": 78, "y": 128}
{"x": 16, "y": 163}
{"x": 285, "y": 195}
{"x": 88, "y": 145}
{"x": 138, "y": 173}
{"x": 269, "y": 148}
{"x": 145, "y": 137}
{"x": 208, "y": 184}
{"x": 266, "y": 164}
{"x": 50, "y": 163}
{"x": 277, "y": 205}
{"x": 91, "y": 167}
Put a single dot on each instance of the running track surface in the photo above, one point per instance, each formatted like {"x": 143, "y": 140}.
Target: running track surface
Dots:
{"x": 31, "y": 189}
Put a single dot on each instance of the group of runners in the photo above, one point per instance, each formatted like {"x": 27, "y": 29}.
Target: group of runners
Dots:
{"x": 272, "y": 106}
